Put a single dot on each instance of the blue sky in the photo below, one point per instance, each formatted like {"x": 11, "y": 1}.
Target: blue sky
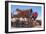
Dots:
{"x": 34, "y": 8}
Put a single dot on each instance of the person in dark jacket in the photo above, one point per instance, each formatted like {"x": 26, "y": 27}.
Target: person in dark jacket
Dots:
{"x": 34, "y": 15}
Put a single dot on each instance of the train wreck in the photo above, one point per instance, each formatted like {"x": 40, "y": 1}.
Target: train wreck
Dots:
{"x": 25, "y": 19}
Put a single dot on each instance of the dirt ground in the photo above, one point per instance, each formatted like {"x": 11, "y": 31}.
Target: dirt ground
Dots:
{"x": 24, "y": 24}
